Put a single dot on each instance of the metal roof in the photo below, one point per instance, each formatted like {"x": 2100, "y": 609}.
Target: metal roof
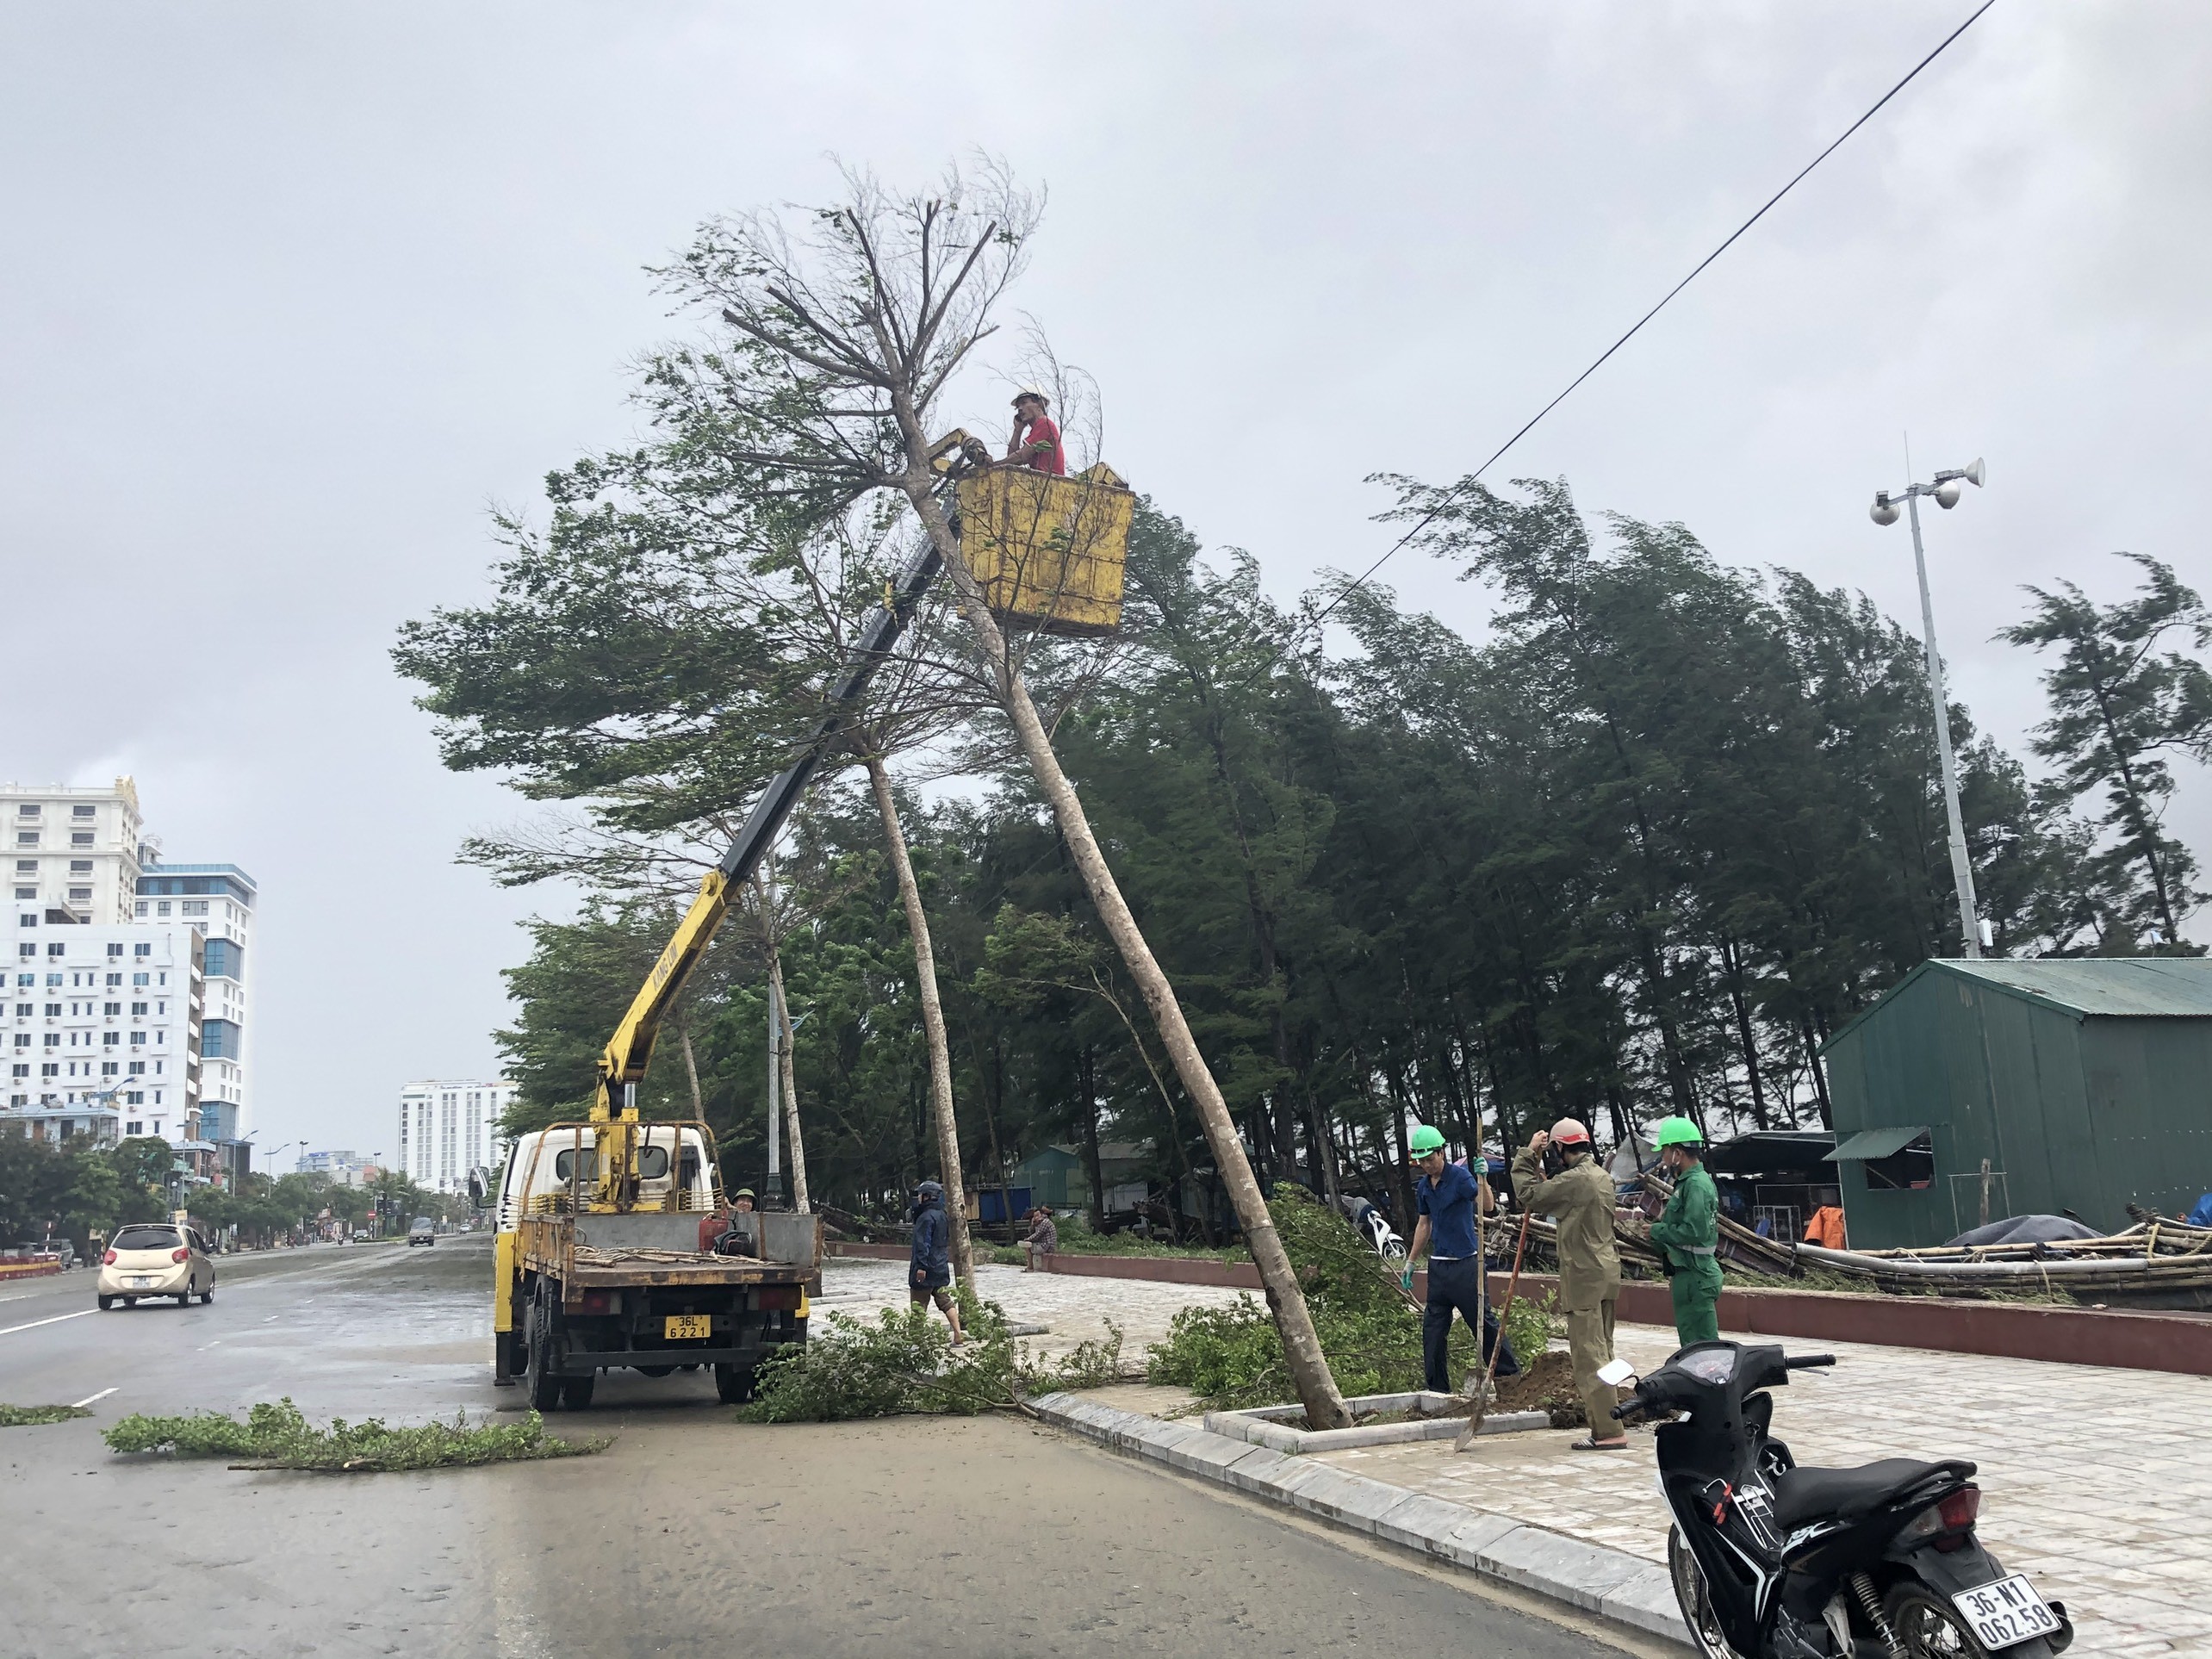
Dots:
{"x": 2101, "y": 987}
{"x": 1764, "y": 1151}
{"x": 2108, "y": 986}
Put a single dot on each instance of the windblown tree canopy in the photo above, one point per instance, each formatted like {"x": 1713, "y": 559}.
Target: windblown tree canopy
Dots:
{"x": 1670, "y": 827}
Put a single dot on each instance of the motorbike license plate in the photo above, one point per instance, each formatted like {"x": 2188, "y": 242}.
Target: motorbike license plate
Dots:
{"x": 687, "y": 1327}
{"x": 2006, "y": 1611}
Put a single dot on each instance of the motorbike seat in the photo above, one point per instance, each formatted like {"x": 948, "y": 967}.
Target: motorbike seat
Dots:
{"x": 1805, "y": 1494}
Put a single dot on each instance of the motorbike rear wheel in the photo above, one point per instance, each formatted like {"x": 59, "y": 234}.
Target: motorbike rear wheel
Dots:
{"x": 1694, "y": 1600}
{"x": 1928, "y": 1627}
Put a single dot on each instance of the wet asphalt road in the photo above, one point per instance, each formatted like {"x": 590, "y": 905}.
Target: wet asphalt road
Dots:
{"x": 691, "y": 1533}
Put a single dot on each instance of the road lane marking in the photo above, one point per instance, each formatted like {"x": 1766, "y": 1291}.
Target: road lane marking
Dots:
{"x": 217, "y": 1343}
{"x": 92, "y": 1399}
{"x": 11, "y": 1329}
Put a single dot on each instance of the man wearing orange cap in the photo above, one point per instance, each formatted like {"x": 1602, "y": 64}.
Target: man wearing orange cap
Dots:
{"x": 1580, "y": 1201}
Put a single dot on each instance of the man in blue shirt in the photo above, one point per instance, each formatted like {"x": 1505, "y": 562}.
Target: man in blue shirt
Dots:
{"x": 1446, "y": 1195}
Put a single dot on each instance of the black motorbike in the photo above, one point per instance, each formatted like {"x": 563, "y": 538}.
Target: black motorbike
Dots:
{"x": 1770, "y": 1561}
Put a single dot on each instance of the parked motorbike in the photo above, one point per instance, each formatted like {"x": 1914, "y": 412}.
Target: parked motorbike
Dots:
{"x": 1770, "y": 1561}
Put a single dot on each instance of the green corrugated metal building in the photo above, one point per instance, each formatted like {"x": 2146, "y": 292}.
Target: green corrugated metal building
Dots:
{"x": 2086, "y": 1085}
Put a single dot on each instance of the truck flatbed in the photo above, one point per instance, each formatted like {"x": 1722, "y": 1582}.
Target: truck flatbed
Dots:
{"x": 596, "y": 1269}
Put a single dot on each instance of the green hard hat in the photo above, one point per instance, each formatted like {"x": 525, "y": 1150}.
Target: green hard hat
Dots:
{"x": 1427, "y": 1141}
{"x": 1677, "y": 1131}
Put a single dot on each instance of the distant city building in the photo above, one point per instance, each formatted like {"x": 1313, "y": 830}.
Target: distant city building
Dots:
{"x": 344, "y": 1169}
{"x": 74, "y": 854}
{"x": 448, "y": 1128}
{"x": 128, "y": 986}
{"x": 218, "y": 899}
{"x": 103, "y": 1028}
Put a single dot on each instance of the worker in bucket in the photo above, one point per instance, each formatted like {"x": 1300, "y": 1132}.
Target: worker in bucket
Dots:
{"x": 1688, "y": 1232}
{"x": 1445, "y": 1197}
{"x": 1580, "y": 1201}
{"x": 1036, "y": 440}
{"x": 931, "y": 1276}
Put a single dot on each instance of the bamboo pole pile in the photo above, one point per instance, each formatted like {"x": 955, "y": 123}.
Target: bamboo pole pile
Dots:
{"x": 2169, "y": 1258}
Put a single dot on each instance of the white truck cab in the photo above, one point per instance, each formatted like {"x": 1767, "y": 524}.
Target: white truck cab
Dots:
{"x": 555, "y": 1169}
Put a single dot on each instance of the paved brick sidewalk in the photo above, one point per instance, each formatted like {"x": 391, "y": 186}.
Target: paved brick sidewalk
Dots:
{"x": 2097, "y": 1482}
{"x": 1073, "y": 1309}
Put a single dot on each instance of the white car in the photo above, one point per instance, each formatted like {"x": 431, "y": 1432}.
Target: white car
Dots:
{"x": 154, "y": 1258}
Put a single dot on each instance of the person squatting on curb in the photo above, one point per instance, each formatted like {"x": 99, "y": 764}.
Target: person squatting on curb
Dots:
{"x": 1043, "y": 1236}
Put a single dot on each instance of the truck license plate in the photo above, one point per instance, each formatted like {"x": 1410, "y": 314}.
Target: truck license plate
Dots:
{"x": 696, "y": 1327}
{"x": 2005, "y": 1612}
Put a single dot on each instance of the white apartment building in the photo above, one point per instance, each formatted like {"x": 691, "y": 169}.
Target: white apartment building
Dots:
{"x": 448, "y": 1128}
{"x": 74, "y": 854}
{"x": 218, "y": 900}
{"x": 103, "y": 1023}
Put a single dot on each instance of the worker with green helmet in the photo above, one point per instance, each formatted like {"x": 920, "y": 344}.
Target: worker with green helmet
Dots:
{"x": 1688, "y": 1232}
{"x": 1447, "y": 1196}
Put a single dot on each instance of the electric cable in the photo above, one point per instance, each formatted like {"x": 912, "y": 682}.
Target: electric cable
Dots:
{"x": 1430, "y": 516}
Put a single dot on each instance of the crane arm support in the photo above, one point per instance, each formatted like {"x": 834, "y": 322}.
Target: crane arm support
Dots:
{"x": 630, "y": 1049}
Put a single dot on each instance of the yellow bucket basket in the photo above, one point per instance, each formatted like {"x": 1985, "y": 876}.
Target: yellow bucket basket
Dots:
{"x": 1049, "y": 552}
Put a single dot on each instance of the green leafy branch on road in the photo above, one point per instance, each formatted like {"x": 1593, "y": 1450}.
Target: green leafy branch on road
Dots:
{"x": 279, "y": 1436}
{"x": 904, "y": 1361}
{"x": 25, "y": 1416}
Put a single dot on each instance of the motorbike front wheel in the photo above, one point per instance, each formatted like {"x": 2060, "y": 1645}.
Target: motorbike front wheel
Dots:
{"x": 1928, "y": 1627}
{"x": 1694, "y": 1600}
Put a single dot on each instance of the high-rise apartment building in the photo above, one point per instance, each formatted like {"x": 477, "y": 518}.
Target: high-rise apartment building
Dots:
{"x": 105, "y": 1024}
{"x": 74, "y": 854}
{"x": 448, "y": 1128}
{"x": 80, "y": 858}
{"x": 217, "y": 899}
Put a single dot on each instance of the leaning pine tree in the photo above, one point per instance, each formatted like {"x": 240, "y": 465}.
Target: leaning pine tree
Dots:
{"x": 846, "y": 326}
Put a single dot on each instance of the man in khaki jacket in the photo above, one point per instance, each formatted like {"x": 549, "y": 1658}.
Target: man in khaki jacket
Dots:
{"x": 1580, "y": 1200}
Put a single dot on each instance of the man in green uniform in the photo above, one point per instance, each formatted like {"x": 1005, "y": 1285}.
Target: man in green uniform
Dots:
{"x": 1688, "y": 1230}
{"x": 1580, "y": 1201}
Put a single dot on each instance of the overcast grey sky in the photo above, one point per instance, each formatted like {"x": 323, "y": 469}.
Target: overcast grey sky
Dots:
{"x": 290, "y": 294}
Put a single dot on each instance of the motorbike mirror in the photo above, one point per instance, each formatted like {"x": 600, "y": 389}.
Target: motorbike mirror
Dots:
{"x": 1615, "y": 1372}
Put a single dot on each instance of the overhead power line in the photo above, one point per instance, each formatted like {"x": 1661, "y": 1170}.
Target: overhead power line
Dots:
{"x": 1430, "y": 517}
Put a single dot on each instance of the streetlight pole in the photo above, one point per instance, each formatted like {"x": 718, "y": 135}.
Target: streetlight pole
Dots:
{"x": 1945, "y": 489}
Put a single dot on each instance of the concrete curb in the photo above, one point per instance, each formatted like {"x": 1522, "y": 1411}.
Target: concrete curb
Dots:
{"x": 1272, "y": 1425}
{"x": 1624, "y": 1588}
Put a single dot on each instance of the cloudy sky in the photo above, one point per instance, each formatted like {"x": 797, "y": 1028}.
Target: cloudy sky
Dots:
{"x": 290, "y": 295}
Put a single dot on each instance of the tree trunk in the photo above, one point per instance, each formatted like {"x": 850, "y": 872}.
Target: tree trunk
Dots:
{"x": 798, "y": 1197}
{"x": 691, "y": 1071}
{"x": 1819, "y": 1075}
{"x": 1302, "y": 1347}
{"x": 1093, "y": 1164}
{"x": 1325, "y": 1158}
{"x": 1732, "y": 956}
{"x": 933, "y": 1021}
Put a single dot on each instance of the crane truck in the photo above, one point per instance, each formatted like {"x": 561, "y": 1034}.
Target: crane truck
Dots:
{"x": 597, "y": 1257}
